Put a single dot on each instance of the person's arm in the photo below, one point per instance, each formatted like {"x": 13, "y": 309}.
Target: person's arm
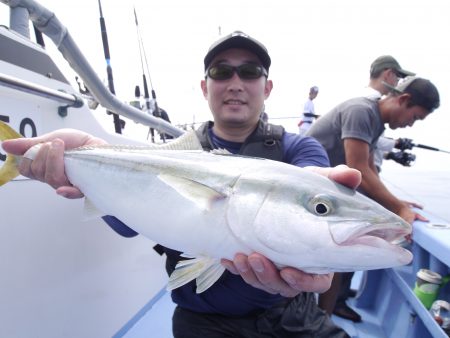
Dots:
{"x": 357, "y": 156}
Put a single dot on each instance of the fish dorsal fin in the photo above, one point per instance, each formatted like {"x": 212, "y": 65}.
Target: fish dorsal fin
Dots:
{"x": 197, "y": 192}
{"x": 205, "y": 270}
{"x": 187, "y": 141}
{"x": 90, "y": 210}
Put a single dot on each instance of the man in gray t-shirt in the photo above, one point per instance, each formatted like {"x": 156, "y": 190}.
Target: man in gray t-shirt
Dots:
{"x": 350, "y": 131}
{"x": 358, "y": 118}
{"x": 349, "y": 134}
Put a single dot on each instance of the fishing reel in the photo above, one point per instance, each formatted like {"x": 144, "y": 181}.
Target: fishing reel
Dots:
{"x": 404, "y": 143}
{"x": 404, "y": 158}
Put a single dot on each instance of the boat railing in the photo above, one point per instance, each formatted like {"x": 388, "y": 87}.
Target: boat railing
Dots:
{"x": 68, "y": 100}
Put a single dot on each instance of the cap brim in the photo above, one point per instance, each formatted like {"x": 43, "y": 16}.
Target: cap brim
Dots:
{"x": 392, "y": 88}
{"x": 239, "y": 42}
{"x": 404, "y": 73}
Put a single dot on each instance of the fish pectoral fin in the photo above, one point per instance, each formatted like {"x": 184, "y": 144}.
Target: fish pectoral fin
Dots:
{"x": 205, "y": 270}
{"x": 197, "y": 192}
{"x": 209, "y": 277}
{"x": 91, "y": 211}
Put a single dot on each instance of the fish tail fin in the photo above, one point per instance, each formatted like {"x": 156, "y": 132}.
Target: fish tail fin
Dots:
{"x": 205, "y": 270}
{"x": 8, "y": 170}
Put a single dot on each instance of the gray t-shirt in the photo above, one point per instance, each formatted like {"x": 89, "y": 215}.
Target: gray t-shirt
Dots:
{"x": 357, "y": 118}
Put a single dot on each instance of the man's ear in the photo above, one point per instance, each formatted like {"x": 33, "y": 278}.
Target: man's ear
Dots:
{"x": 204, "y": 88}
{"x": 268, "y": 88}
{"x": 404, "y": 98}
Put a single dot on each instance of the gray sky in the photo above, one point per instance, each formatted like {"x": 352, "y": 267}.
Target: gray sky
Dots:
{"x": 326, "y": 43}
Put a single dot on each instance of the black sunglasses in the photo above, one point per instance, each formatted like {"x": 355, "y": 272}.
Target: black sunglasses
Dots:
{"x": 246, "y": 71}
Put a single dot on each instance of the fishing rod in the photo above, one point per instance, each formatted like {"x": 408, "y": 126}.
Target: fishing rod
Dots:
{"x": 151, "y": 110}
{"x": 118, "y": 123}
{"x": 407, "y": 143}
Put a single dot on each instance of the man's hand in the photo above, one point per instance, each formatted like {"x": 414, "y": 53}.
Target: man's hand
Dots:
{"x": 341, "y": 174}
{"x": 48, "y": 165}
{"x": 413, "y": 204}
{"x": 409, "y": 215}
{"x": 261, "y": 273}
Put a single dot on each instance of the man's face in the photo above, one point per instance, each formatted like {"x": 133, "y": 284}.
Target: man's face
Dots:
{"x": 405, "y": 116}
{"x": 391, "y": 78}
{"x": 235, "y": 101}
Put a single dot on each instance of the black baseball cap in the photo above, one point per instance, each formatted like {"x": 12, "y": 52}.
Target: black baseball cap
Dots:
{"x": 423, "y": 92}
{"x": 388, "y": 62}
{"x": 238, "y": 39}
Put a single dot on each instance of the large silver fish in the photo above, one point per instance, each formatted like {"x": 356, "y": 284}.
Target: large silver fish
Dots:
{"x": 212, "y": 206}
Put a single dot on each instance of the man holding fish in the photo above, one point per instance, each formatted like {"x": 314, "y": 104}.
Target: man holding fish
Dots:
{"x": 254, "y": 298}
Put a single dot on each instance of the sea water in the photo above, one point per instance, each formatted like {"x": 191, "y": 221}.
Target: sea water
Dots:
{"x": 429, "y": 187}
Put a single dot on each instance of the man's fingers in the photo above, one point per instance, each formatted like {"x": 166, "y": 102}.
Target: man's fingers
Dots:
{"x": 39, "y": 164}
{"x": 33, "y": 168}
{"x": 69, "y": 192}
{"x": 19, "y": 146}
{"x": 347, "y": 176}
{"x": 307, "y": 282}
{"x": 266, "y": 274}
{"x": 341, "y": 174}
{"x": 54, "y": 170}
{"x": 419, "y": 217}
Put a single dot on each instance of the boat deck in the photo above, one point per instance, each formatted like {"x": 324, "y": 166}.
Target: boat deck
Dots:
{"x": 155, "y": 321}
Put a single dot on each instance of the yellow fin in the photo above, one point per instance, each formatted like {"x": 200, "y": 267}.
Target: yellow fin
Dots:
{"x": 205, "y": 270}
{"x": 9, "y": 169}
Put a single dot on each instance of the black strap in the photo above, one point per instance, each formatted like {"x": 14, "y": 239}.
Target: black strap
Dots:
{"x": 264, "y": 142}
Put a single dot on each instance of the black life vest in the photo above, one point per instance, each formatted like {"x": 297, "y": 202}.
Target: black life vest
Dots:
{"x": 264, "y": 142}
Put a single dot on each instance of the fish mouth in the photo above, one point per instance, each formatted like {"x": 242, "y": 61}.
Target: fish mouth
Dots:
{"x": 368, "y": 233}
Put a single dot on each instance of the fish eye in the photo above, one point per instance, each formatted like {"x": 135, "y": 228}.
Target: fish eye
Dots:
{"x": 321, "y": 205}
{"x": 321, "y": 208}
